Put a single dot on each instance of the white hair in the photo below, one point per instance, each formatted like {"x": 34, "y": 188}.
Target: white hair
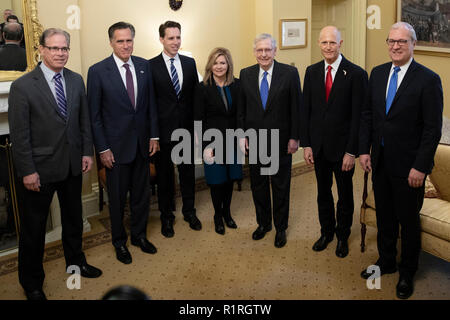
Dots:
{"x": 407, "y": 26}
{"x": 264, "y": 36}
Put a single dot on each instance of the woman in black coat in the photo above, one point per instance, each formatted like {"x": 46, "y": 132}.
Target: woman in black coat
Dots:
{"x": 215, "y": 105}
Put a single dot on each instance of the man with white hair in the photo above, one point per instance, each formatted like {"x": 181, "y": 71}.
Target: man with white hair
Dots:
{"x": 400, "y": 129}
{"x": 270, "y": 100}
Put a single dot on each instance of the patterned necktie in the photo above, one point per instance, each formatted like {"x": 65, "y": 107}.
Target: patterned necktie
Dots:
{"x": 130, "y": 85}
{"x": 328, "y": 83}
{"x": 175, "y": 80}
{"x": 264, "y": 91}
{"x": 60, "y": 96}
{"x": 392, "y": 89}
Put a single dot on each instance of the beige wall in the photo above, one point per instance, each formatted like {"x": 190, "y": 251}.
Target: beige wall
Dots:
{"x": 205, "y": 24}
{"x": 377, "y": 52}
{"x": 53, "y": 14}
{"x": 288, "y": 9}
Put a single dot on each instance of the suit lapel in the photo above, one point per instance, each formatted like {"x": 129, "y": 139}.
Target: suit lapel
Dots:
{"x": 140, "y": 78}
{"x": 69, "y": 91}
{"x": 341, "y": 73}
{"x": 163, "y": 70}
{"x": 254, "y": 80}
{"x": 42, "y": 85}
{"x": 116, "y": 80}
{"x": 275, "y": 84}
{"x": 405, "y": 82}
{"x": 321, "y": 82}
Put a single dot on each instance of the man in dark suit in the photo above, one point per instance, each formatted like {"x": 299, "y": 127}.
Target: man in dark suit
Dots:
{"x": 12, "y": 55}
{"x": 401, "y": 126}
{"x": 125, "y": 128}
{"x": 270, "y": 100}
{"x": 175, "y": 78}
{"x": 333, "y": 94}
{"x": 52, "y": 147}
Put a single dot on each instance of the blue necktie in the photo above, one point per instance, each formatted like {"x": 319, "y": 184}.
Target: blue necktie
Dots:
{"x": 264, "y": 91}
{"x": 392, "y": 89}
{"x": 175, "y": 80}
{"x": 60, "y": 96}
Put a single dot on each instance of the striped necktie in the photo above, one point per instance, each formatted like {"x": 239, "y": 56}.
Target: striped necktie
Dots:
{"x": 60, "y": 96}
{"x": 175, "y": 80}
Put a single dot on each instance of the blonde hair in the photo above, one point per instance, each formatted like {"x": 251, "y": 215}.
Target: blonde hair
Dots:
{"x": 216, "y": 53}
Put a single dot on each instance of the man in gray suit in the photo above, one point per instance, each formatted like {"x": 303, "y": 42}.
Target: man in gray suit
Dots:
{"x": 52, "y": 147}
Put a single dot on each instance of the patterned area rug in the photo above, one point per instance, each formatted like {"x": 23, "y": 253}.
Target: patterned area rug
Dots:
{"x": 9, "y": 265}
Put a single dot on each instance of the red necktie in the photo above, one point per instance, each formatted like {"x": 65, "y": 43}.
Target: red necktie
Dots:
{"x": 329, "y": 82}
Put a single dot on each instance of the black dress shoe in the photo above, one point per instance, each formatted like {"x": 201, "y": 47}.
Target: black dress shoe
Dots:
{"x": 35, "y": 295}
{"x": 342, "y": 248}
{"x": 123, "y": 255}
{"x": 322, "y": 243}
{"x": 218, "y": 225}
{"x": 383, "y": 270}
{"x": 167, "y": 228}
{"x": 405, "y": 287}
{"x": 280, "y": 239}
{"x": 228, "y": 219}
{"x": 230, "y": 223}
{"x": 194, "y": 223}
{"x": 89, "y": 271}
{"x": 145, "y": 245}
{"x": 259, "y": 233}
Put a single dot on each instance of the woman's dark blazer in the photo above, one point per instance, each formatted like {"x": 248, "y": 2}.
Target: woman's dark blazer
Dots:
{"x": 210, "y": 108}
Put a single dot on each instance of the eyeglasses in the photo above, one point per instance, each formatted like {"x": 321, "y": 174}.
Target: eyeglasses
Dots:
{"x": 57, "y": 49}
{"x": 392, "y": 42}
{"x": 328, "y": 43}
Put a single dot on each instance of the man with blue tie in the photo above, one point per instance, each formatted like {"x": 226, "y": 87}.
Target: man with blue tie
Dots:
{"x": 270, "y": 100}
{"x": 52, "y": 147}
{"x": 175, "y": 78}
{"x": 125, "y": 129}
{"x": 401, "y": 125}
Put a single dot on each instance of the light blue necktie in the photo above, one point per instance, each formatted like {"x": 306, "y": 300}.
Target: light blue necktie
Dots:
{"x": 60, "y": 96}
{"x": 175, "y": 80}
{"x": 264, "y": 91}
{"x": 392, "y": 89}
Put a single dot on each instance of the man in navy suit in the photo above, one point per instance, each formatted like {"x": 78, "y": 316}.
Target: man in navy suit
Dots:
{"x": 333, "y": 94}
{"x": 401, "y": 125}
{"x": 125, "y": 130}
{"x": 175, "y": 78}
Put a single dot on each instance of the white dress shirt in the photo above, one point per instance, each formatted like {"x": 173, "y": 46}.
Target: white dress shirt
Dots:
{"x": 334, "y": 67}
{"x": 177, "y": 64}
{"x": 269, "y": 75}
{"x": 123, "y": 74}
{"x": 400, "y": 75}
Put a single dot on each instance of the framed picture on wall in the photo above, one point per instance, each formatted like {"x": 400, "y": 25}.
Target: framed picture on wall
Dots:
{"x": 293, "y": 33}
{"x": 431, "y": 21}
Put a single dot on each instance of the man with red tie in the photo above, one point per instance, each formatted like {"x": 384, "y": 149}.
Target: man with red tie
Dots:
{"x": 333, "y": 92}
